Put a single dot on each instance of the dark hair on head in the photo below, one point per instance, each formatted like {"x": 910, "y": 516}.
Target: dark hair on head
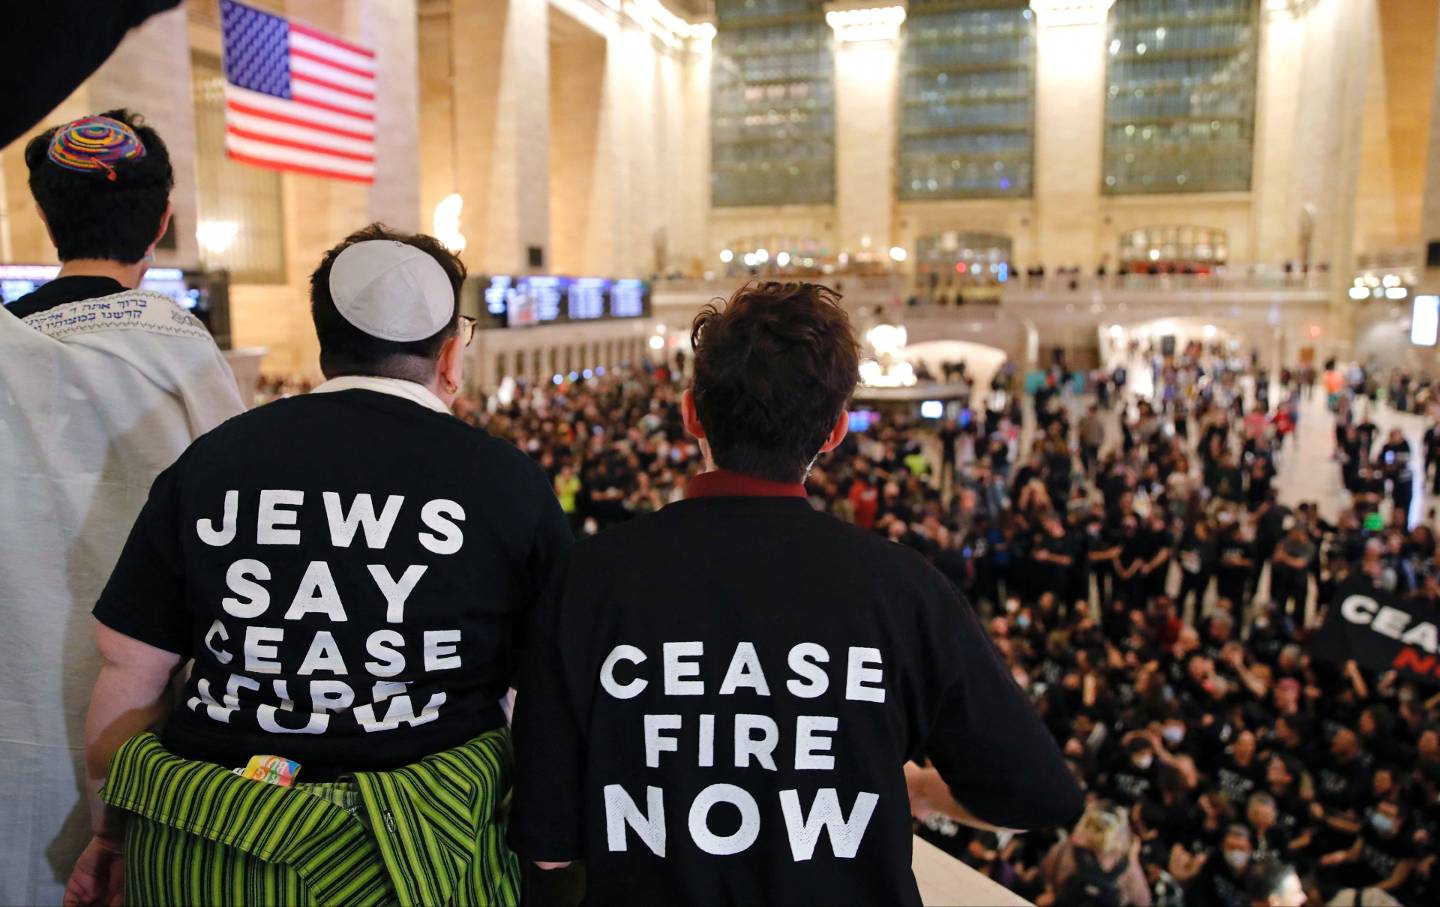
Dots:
{"x": 92, "y": 216}
{"x": 347, "y": 350}
{"x": 774, "y": 368}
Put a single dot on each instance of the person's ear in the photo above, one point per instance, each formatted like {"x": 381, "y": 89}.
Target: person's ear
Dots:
{"x": 164, "y": 225}
{"x": 690, "y": 416}
{"x": 837, "y": 434}
{"x": 450, "y": 369}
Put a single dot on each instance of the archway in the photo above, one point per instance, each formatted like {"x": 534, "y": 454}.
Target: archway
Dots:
{"x": 1173, "y": 249}
{"x": 956, "y": 267}
{"x": 769, "y": 253}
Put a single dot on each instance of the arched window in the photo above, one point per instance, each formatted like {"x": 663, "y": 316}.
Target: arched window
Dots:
{"x": 959, "y": 261}
{"x": 1180, "y": 101}
{"x": 773, "y": 252}
{"x": 967, "y": 100}
{"x": 1176, "y": 249}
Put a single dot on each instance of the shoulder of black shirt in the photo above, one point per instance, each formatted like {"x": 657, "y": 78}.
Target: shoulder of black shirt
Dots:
{"x": 61, "y": 291}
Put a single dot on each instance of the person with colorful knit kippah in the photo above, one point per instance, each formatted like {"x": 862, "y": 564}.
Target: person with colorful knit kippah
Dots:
{"x": 104, "y": 384}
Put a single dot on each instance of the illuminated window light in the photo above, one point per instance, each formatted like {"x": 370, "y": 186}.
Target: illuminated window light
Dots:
{"x": 879, "y": 23}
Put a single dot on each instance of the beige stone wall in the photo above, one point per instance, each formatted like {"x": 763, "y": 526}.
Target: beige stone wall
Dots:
{"x": 1399, "y": 92}
{"x": 1069, "y": 120}
{"x": 437, "y": 137}
{"x": 728, "y": 225}
{"x": 1275, "y": 218}
{"x": 391, "y": 28}
{"x": 500, "y": 54}
{"x": 1430, "y": 206}
{"x": 539, "y": 353}
{"x": 150, "y": 74}
{"x": 692, "y": 186}
{"x": 866, "y": 75}
{"x": 577, "y": 88}
{"x": 1002, "y": 217}
{"x": 574, "y": 128}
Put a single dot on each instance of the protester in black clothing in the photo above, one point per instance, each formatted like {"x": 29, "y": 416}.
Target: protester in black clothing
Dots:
{"x": 662, "y": 680}
{"x": 1224, "y": 882}
{"x": 1290, "y": 572}
{"x": 1052, "y": 554}
{"x": 1432, "y": 457}
{"x": 1395, "y": 462}
{"x": 1199, "y": 552}
{"x": 1237, "y": 561}
{"x": 1226, "y": 482}
{"x": 1382, "y": 855}
{"x": 1101, "y": 681}
{"x": 1366, "y": 432}
{"x": 342, "y": 576}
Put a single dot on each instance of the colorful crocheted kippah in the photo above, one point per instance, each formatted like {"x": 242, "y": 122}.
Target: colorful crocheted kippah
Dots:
{"x": 95, "y": 144}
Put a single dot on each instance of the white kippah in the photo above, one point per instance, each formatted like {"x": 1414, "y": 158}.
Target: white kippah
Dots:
{"x": 391, "y": 290}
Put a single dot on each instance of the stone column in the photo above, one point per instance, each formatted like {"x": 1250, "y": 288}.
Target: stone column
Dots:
{"x": 1430, "y": 206}
{"x": 691, "y": 238}
{"x": 1070, "y": 128}
{"x": 867, "y": 64}
{"x": 1276, "y": 218}
{"x": 391, "y": 28}
{"x": 577, "y": 88}
{"x": 501, "y": 50}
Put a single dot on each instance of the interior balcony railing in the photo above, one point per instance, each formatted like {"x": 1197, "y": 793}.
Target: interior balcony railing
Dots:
{"x": 1267, "y": 278}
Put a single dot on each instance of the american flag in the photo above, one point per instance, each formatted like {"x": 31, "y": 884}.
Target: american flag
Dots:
{"x": 296, "y": 98}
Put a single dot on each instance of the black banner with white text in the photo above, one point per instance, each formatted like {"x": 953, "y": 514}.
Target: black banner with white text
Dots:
{"x": 1381, "y": 633}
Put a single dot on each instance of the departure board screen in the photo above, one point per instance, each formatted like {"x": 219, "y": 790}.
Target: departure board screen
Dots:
{"x": 528, "y": 301}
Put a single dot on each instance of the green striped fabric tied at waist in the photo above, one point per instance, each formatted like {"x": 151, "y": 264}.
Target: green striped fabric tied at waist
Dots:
{"x": 428, "y": 833}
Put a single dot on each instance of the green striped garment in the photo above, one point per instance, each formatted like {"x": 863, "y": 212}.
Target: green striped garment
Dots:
{"x": 429, "y": 833}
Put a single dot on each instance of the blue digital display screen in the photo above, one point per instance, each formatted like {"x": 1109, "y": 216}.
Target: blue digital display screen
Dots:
{"x": 513, "y": 301}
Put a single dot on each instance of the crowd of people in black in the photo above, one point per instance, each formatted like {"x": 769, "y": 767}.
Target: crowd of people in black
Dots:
{"x": 1150, "y": 589}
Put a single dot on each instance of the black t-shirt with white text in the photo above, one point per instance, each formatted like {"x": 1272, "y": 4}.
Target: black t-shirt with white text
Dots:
{"x": 349, "y": 571}
{"x": 719, "y": 700}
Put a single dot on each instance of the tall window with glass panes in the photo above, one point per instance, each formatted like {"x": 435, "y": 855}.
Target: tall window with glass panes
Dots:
{"x": 967, "y": 100}
{"x": 1180, "y": 101}
{"x": 772, "y": 104}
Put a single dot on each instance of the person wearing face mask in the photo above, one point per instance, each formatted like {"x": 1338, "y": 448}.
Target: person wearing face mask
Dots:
{"x": 1224, "y": 879}
{"x": 1174, "y": 734}
{"x": 1383, "y": 854}
{"x": 1130, "y": 777}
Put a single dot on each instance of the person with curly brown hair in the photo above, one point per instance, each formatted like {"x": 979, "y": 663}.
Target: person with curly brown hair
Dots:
{"x": 720, "y": 699}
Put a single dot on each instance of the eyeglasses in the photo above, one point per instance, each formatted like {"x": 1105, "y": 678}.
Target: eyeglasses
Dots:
{"x": 467, "y": 328}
